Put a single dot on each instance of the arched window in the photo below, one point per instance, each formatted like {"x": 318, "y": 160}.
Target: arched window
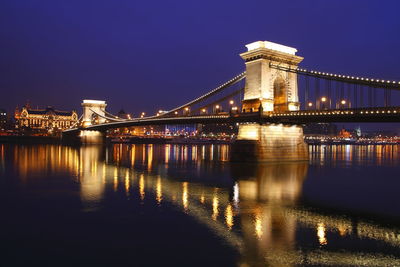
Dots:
{"x": 280, "y": 95}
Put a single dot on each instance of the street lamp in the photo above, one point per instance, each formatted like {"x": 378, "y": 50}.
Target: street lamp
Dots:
{"x": 323, "y": 101}
{"x": 216, "y": 108}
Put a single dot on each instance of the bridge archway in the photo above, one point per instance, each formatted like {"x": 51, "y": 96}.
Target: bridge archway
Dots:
{"x": 280, "y": 95}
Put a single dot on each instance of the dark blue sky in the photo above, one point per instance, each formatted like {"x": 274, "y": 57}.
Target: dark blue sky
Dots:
{"x": 150, "y": 55}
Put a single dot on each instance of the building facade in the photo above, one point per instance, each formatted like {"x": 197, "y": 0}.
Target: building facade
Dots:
{"x": 3, "y": 119}
{"x": 48, "y": 119}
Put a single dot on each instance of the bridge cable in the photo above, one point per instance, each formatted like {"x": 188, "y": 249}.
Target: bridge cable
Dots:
{"x": 307, "y": 91}
{"x": 355, "y": 95}
{"x": 108, "y": 118}
{"x": 361, "y": 96}
{"x": 369, "y": 96}
{"x": 232, "y": 81}
{"x": 329, "y": 88}
{"x": 77, "y": 122}
{"x": 317, "y": 93}
{"x": 337, "y": 95}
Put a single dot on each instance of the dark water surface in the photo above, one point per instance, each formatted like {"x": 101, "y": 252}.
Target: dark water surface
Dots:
{"x": 186, "y": 205}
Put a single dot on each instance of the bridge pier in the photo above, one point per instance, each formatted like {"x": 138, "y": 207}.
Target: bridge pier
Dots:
{"x": 92, "y": 137}
{"x": 269, "y": 143}
{"x": 84, "y": 137}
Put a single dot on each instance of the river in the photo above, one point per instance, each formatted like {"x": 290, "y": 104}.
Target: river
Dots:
{"x": 187, "y": 205}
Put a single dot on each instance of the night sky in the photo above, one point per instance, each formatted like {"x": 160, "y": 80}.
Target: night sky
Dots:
{"x": 151, "y": 55}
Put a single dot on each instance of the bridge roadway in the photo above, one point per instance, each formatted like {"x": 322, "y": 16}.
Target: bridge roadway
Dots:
{"x": 379, "y": 114}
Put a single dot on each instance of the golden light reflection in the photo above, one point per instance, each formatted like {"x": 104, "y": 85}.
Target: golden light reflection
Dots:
{"x": 185, "y": 200}
{"x": 215, "y": 208}
{"x": 342, "y": 230}
{"x": 127, "y": 182}
{"x": 159, "y": 190}
{"x": 202, "y": 198}
{"x": 229, "y": 216}
{"x": 115, "y": 183}
{"x": 321, "y": 234}
{"x": 141, "y": 187}
{"x": 133, "y": 155}
{"x": 167, "y": 153}
{"x": 150, "y": 157}
{"x": 258, "y": 226}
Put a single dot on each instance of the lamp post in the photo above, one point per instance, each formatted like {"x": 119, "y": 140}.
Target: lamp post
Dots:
{"x": 217, "y": 107}
{"x": 323, "y": 101}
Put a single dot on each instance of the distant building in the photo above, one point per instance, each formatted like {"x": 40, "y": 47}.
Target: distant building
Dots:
{"x": 345, "y": 134}
{"x": 44, "y": 119}
{"x": 3, "y": 119}
{"x": 320, "y": 129}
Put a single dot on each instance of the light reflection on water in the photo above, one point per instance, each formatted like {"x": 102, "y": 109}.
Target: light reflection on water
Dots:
{"x": 256, "y": 209}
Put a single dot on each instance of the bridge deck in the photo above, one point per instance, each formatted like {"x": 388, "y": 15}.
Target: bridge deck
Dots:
{"x": 387, "y": 114}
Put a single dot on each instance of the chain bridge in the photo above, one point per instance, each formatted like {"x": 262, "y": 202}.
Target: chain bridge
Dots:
{"x": 270, "y": 101}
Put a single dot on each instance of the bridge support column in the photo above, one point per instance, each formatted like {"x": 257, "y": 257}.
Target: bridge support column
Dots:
{"x": 269, "y": 143}
{"x": 92, "y": 137}
{"x": 84, "y": 137}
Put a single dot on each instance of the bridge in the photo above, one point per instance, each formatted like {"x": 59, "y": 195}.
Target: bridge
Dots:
{"x": 270, "y": 101}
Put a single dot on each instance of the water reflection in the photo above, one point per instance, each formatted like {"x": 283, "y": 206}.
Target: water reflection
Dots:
{"x": 256, "y": 209}
{"x": 350, "y": 155}
{"x": 265, "y": 191}
{"x": 91, "y": 180}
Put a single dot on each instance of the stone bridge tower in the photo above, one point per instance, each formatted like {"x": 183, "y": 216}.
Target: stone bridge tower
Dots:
{"x": 93, "y": 110}
{"x": 274, "y": 89}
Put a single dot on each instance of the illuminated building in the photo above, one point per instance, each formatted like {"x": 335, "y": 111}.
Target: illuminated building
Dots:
{"x": 44, "y": 119}
{"x": 3, "y": 119}
{"x": 344, "y": 134}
